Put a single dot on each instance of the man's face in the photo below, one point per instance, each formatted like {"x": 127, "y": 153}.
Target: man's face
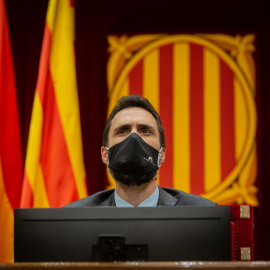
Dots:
{"x": 134, "y": 120}
{"x": 142, "y": 122}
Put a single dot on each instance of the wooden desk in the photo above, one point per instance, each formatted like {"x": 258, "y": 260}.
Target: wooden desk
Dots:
{"x": 258, "y": 265}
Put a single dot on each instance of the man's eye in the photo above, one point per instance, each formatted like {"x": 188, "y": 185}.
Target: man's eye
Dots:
{"x": 121, "y": 131}
{"x": 145, "y": 131}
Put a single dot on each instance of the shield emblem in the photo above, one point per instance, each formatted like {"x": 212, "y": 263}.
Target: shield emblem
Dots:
{"x": 203, "y": 88}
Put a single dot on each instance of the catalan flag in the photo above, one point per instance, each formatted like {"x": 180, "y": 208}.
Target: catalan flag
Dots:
{"x": 10, "y": 144}
{"x": 203, "y": 88}
{"x": 54, "y": 169}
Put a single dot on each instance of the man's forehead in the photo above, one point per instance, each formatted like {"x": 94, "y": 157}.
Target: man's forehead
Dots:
{"x": 133, "y": 113}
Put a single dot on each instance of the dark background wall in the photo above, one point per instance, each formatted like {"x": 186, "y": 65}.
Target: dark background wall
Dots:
{"x": 95, "y": 19}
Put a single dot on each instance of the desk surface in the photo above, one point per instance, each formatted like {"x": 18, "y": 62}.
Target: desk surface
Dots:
{"x": 258, "y": 265}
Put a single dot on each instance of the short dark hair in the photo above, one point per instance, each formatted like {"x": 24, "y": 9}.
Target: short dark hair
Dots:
{"x": 133, "y": 101}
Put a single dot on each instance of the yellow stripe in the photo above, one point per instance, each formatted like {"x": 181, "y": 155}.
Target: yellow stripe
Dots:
{"x": 52, "y": 7}
{"x": 151, "y": 81}
{"x": 40, "y": 198}
{"x": 241, "y": 121}
{"x": 123, "y": 92}
{"x": 212, "y": 174}
{"x": 6, "y": 221}
{"x": 151, "y": 78}
{"x": 63, "y": 72}
{"x": 116, "y": 95}
{"x": 33, "y": 154}
{"x": 181, "y": 140}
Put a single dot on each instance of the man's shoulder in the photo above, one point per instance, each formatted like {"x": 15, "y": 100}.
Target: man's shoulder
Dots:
{"x": 184, "y": 198}
{"x": 96, "y": 199}
{"x": 167, "y": 196}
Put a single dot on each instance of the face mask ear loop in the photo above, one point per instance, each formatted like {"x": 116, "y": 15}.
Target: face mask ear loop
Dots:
{"x": 159, "y": 157}
{"x": 108, "y": 153}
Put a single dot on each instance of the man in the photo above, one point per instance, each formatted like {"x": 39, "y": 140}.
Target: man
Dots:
{"x": 134, "y": 149}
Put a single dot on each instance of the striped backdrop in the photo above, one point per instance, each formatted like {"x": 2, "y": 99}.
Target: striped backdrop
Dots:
{"x": 206, "y": 104}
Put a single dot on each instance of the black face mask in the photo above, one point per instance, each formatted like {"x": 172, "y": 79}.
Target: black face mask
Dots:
{"x": 133, "y": 156}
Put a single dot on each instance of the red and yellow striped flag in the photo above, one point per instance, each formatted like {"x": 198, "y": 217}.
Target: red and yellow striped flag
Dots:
{"x": 54, "y": 168}
{"x": 10, "y": 144}
{"x": 203, "y": 87}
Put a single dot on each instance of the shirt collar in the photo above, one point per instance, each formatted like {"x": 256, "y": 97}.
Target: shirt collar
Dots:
{"x": 151, "y": 201}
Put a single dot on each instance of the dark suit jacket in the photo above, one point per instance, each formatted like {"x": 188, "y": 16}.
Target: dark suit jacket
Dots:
{"x": 167, "y": 197}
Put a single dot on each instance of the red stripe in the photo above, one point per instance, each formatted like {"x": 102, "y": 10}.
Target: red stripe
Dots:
{"x": 227, "y": 120}
{"x": 71, "y": 3}
{"x": 27, "y": 193}
{"x": 54, "y": 157}
{"x": 136, "y": 79}
{"x": 196, "y": 120}
{"x": 10, "y": 144}
{"x": 166, "y": 107}
{"x": 44, "y": 62}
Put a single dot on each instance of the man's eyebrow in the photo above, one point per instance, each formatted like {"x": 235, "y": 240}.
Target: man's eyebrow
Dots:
{"x": 145, "y": 126}
{"x": 123, "y": 126}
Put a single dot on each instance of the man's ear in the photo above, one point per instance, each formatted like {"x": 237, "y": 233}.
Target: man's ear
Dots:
{"x": 163, "y": 153}
{"x": 104, "y": 155}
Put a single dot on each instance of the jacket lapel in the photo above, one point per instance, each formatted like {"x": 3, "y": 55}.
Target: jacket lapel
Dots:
{"x": 110, "y": 201}
{"x": 166, "y": 199}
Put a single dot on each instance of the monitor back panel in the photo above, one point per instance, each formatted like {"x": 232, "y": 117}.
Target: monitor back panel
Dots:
{"x": 170, "y": 233}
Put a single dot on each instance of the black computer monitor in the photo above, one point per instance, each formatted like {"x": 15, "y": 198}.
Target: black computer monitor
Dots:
{"x": 180, "y": 233}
